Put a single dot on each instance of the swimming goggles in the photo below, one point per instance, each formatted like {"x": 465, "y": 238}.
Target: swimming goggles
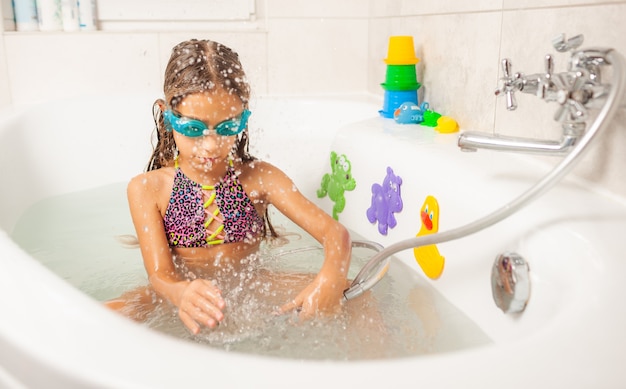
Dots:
{"x": 195, "y": 128}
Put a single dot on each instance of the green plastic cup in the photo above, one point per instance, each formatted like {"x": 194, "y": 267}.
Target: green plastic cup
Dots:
{"x": 400, "y": 77}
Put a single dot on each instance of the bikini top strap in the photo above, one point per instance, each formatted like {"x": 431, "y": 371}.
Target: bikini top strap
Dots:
{"x": 176, "y": 166}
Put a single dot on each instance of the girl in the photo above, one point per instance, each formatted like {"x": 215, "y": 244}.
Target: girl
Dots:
{"x": 201, "y": 207}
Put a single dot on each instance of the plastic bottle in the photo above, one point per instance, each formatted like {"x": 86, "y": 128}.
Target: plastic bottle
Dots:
{"x": 49, "y": 12}
{"x": 87, "y": 14}
{"x": 69, "y": 11}
{"x": 26, "y": 15}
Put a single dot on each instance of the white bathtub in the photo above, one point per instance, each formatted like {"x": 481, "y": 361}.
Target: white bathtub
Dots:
{"x": 570, "y": 335}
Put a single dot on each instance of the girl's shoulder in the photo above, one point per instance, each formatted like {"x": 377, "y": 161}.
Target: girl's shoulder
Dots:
{"x": 152, "y": 182}
{"x": 260, "y": 174}
{"x": 257, "y": 169}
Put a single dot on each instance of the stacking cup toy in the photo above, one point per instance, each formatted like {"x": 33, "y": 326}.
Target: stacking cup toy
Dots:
{"x": 400, "y": 78}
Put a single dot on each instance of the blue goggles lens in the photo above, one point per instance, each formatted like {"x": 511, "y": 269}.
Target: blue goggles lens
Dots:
{"x": 194, "y": 128}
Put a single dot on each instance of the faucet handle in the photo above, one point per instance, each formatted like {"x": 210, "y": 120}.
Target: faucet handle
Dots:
{"x": 573, "y": 98}
{"x": 548, "y": 65}
{"x": 545, "y": 81}
{"x": 508, "y": 84}
{"x": 561, "y": 45}
{"x": 549, "y": 83}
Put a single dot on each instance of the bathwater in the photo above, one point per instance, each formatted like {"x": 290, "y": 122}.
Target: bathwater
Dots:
{"x": 83, "y": 238}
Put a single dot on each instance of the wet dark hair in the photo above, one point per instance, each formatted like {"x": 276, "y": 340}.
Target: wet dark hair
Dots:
{"x": 197, "y": 66}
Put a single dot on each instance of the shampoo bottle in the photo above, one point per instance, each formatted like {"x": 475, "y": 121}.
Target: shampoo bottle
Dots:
{"x": 49, "y": 12}
{"x": 87, "y": 14}
{"x": 26, "y": 15}
{"x": 69, "y": 11}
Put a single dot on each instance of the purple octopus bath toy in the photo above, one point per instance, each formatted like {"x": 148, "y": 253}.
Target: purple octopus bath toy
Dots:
{"x": 386, "y": 200}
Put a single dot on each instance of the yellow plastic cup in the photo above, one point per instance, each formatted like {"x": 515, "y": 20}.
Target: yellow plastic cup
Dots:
{"x": 401, "y": 51}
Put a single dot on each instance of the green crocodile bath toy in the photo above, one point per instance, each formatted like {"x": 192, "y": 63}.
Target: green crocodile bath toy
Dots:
{"x": 337, "y": 182}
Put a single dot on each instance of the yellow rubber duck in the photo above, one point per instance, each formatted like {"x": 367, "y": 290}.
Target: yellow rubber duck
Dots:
{"x": 447, "y": 125}
{"x": 428, "y": 257}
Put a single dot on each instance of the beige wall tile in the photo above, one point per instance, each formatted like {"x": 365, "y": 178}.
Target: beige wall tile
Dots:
{"x": 525, "y": 4}
{"x": 316, "y": 9}
{"x": 53, "y": 66}
{"x": 317, "y": 56}
{"x": 394, "y": 8}
{"x": 388, "y": 8}
{"x": 423, "y": 7}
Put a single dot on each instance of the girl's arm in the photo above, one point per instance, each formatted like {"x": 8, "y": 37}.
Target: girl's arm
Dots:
{"x": 325, "y": 293}
{"x": 199, "y": 301}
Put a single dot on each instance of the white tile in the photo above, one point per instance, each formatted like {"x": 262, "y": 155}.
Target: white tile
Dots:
{"x": 5, "y": 95}
{"x": 423, "y": 7}
{"x": 526, "y": 4}
{"x": 317, "y": 9}
{"x": 312, "y": 56}
{"x": 385, "y": 8}
{"x": 184, "y": 10}
{"x": 52, "y": 66}
{"x": 403, "y": 8}
{"x": 380, "y": 31}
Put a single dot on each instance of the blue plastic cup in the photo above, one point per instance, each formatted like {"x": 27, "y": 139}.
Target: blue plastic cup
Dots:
{"x": 393, "y": 100}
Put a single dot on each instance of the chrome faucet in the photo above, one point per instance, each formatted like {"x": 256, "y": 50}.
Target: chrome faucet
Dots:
{"x": 575, "y": 90}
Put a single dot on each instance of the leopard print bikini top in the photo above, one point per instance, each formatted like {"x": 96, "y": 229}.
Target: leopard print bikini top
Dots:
{"x": 189, "y": 223}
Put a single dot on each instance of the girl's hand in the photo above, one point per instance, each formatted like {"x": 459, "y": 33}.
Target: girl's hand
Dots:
{"x": 322, "y": 296}
{"x": 201, "y": 304}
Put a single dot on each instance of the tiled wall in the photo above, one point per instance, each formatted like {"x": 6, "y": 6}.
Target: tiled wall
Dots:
{"x": 337, "y": 47}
